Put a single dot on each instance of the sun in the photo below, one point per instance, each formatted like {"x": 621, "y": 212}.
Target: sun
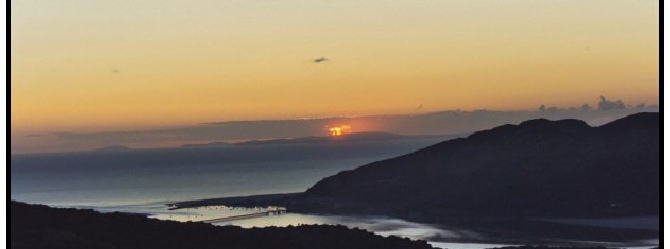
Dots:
{"x": 336, "y": 131}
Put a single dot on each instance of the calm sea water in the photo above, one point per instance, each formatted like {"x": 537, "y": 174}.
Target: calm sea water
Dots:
{"x": 144, "y": 181}
{"x": 176, "y": 183}
{"x": 117, "y": 178}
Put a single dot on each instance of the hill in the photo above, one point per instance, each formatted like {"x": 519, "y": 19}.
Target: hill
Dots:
{"x": 537, "y": 168}
{"x": 37, "y": 226}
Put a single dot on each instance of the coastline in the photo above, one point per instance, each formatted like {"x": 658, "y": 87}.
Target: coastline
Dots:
{"x": 489, "y": 230}
{"x": 242, "y": 201}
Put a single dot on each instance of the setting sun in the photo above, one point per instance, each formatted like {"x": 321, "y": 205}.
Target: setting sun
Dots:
{"x": 339, "y": 130}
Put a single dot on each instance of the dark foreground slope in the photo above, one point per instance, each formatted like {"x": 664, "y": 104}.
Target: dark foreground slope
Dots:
{"x": 34, "y": 226}
{"x": 539, "y": 168}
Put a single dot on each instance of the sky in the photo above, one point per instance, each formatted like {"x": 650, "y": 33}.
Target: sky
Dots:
{"x": 95, "y": 66}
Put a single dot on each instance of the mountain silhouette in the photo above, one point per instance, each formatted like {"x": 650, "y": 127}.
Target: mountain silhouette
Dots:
{"x": 539, "y": 168}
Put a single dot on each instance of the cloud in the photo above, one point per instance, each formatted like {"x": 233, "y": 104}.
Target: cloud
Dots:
{"x": 605, "y": 104}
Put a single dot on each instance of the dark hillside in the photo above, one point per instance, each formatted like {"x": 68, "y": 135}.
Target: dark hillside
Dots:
{"x": 537, "y": 168}
{"x": 34, "y": 226}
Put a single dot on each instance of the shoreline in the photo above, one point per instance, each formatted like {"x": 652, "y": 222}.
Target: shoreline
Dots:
{"x": 502, "y": 230}
{"x": 241, "y": 201}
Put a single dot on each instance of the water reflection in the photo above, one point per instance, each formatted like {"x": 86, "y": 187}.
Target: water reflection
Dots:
{"x": 452, "y": 245}
{"x": 380, "y": 225}
{"x": 438, "y": 236}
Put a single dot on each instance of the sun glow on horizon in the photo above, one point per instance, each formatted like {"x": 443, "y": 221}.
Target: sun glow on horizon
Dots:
{"x": 339, "y": 130}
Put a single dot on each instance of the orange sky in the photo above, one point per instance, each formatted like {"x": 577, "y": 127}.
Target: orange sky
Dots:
{"x": 96, "y": 65}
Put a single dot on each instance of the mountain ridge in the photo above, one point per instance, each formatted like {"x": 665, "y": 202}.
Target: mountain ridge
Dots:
{"x": 536, "y": 168}
{"x": 506, "y": 181}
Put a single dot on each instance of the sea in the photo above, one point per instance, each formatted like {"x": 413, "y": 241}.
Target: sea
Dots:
{"x": 145, "y": 180}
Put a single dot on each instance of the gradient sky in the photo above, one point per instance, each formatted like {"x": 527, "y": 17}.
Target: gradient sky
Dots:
{"x": 91, "y": 65}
